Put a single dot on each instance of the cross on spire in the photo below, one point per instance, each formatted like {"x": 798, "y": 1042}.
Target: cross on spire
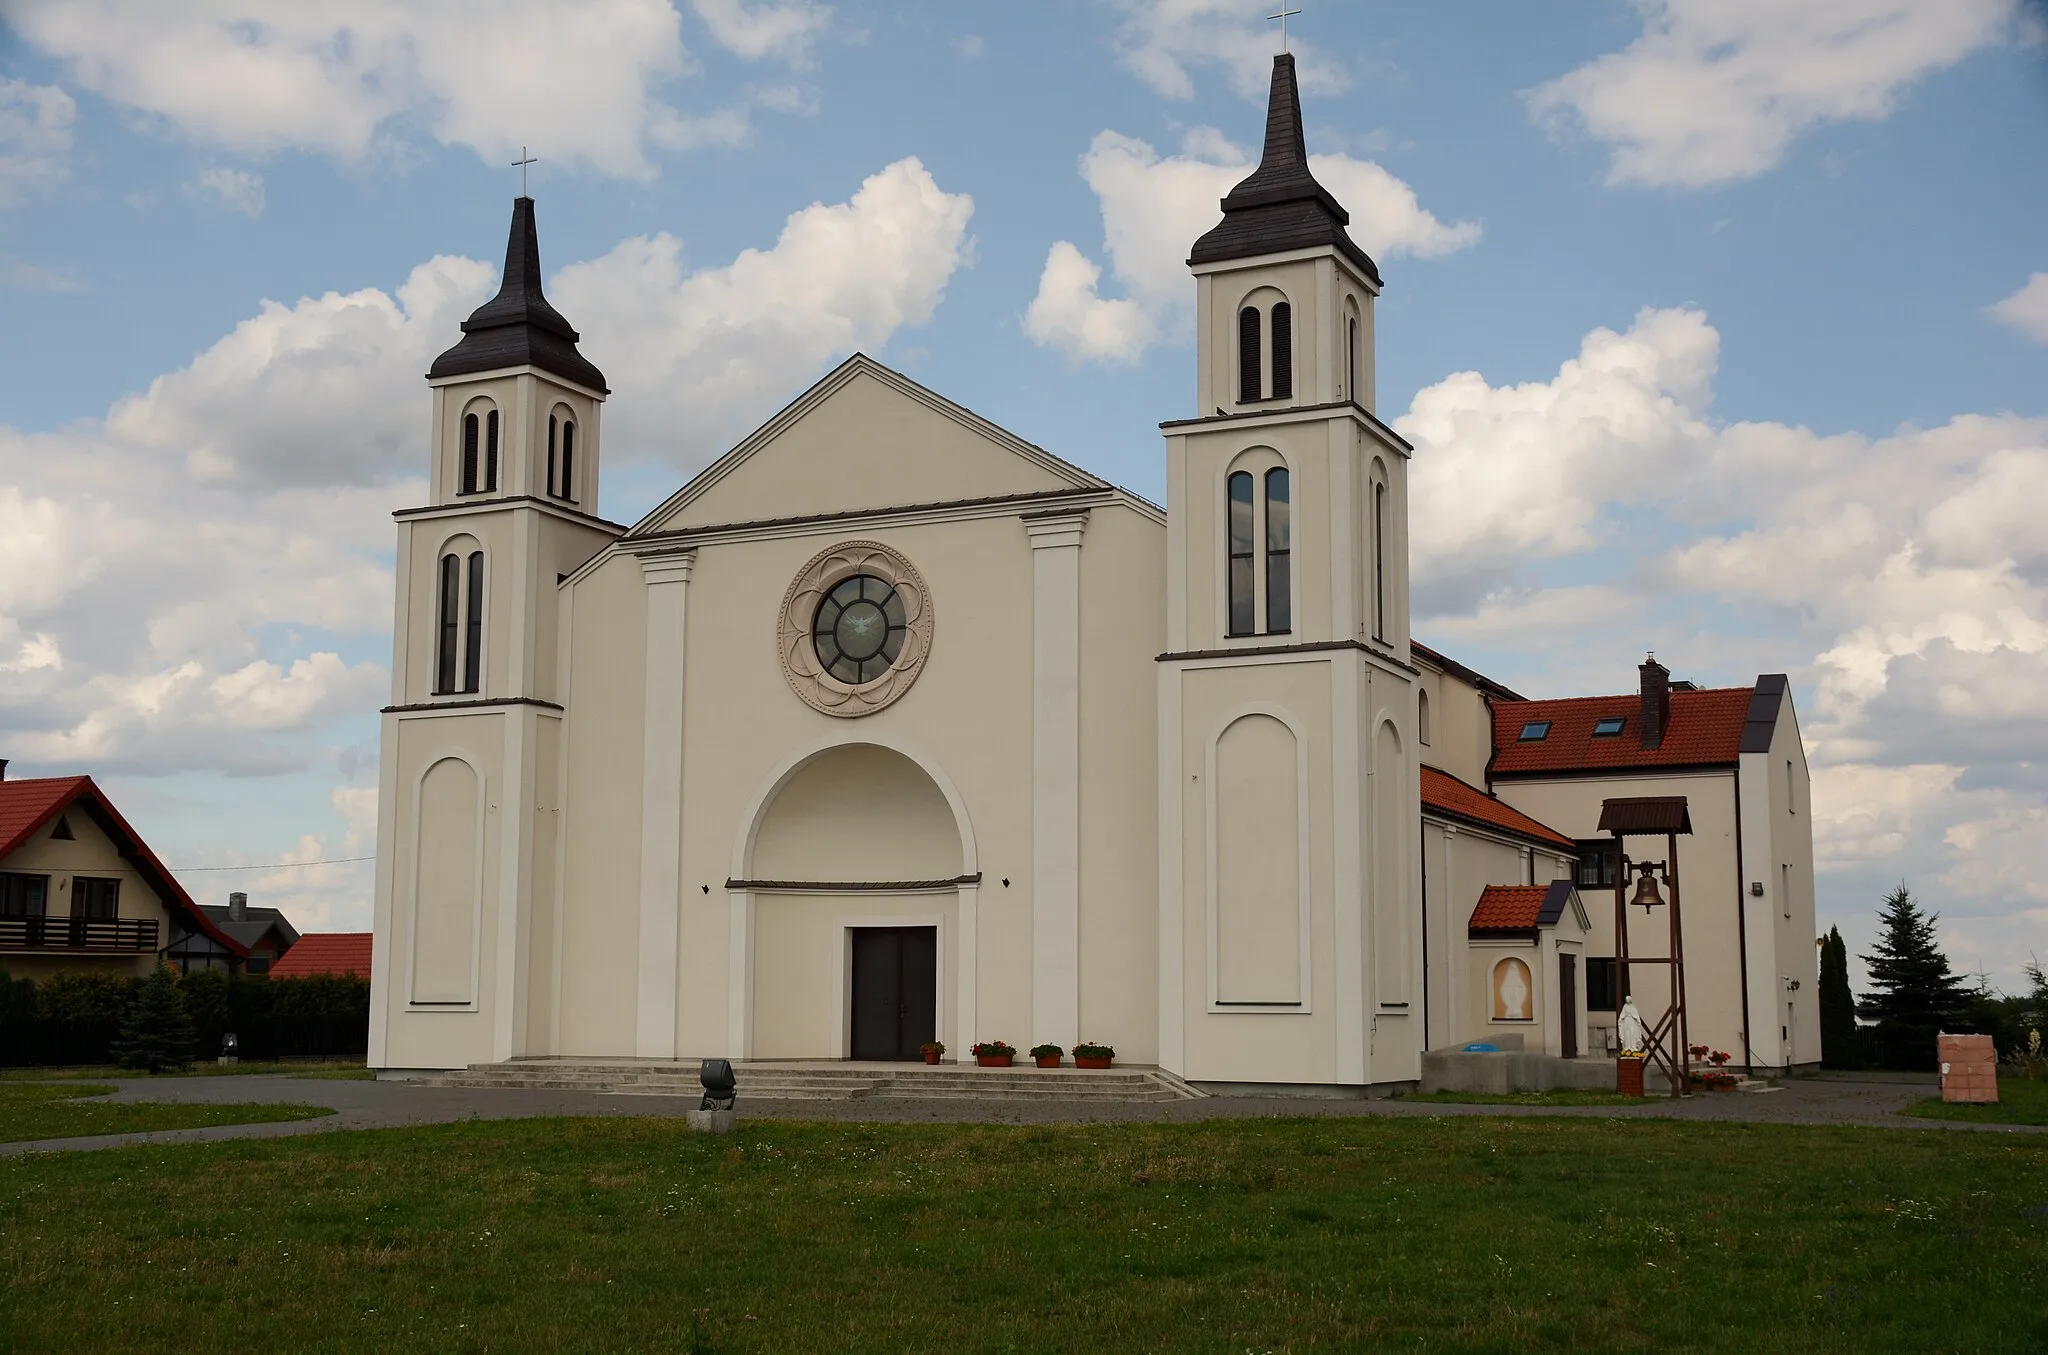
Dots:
{"x": 1283, "y": 16}
{"x": 524, "y": 160}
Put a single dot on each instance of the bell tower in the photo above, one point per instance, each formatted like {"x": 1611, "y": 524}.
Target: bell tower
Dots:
{"x": 1289, "y": 871}
{"x": 471, "y": 743}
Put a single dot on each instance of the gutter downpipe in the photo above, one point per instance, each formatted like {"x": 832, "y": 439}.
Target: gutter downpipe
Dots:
{"x": 1742, "y": 924}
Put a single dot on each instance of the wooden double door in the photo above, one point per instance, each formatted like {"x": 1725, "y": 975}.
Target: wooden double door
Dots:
{"x": 895, "y": 991}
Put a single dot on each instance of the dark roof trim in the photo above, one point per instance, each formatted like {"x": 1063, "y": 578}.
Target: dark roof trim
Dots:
{"x": 855, "y": 514}
{"x": 1254, "y": 651}
{"x": 473, "y": 705}
{"x": 1630, "y": 770}
{"x": 1554, "y": 902}
{"x": 1645, "y": 815}
{"x": 1270, "y": 414}
{"x": 1458, "y": 670}
{"x": 852, "y": 886}
{"x": 482, "y": 502}
{"x": 1764, "y": 704}
{"x": 1473, "y": 821}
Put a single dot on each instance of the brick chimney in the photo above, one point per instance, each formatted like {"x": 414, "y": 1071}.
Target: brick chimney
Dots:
{"x": 1656, "y": 702}
{"x": 238, "y": 907}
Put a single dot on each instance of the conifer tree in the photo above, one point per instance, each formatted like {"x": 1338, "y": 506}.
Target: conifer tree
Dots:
{"x": 1913, "y": 995}
{"x": 157, "y": 1034}
{"x": 1838, "y": 1044}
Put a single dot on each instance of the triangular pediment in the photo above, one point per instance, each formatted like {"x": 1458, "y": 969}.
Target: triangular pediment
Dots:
{"x": 864, "y": 438}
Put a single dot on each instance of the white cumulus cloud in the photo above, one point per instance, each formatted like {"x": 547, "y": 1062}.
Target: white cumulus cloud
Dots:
{"x": 1159, "y": 40}
{"x": 580, "y": 82}
{"x": 240, "y": 189}
{"x": 1716, "y": 90}
{"x": 1154, "y": 207}
{"x": 2027, "y": 309}
{"x": 786, "y": 31}
{"x": 697, "y": 356}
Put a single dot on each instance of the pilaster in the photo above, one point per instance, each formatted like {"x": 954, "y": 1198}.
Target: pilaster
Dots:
{"x": 661, "y": 803}
{"x": 1056, "y": 777}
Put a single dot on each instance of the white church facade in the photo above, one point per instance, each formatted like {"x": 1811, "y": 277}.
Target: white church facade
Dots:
{"x": 891, "y": 727}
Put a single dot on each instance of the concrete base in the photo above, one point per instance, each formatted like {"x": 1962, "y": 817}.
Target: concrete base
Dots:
{"x": 1305, "y": 1091}
{"x": 709, "y": 1121}
{"x": 1499, "y": 1074}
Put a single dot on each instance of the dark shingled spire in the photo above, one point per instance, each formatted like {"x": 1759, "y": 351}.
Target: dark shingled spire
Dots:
{"x": 1281, "y": 206}
{"x": 517, "y": 327}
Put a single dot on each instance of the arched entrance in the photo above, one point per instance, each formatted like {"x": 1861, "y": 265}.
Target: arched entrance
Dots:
{"x": 853, "y": 910}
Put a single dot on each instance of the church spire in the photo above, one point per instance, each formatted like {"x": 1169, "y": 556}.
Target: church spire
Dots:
{"x": 1281, "y": 207}
{"x": 517, "y": 327}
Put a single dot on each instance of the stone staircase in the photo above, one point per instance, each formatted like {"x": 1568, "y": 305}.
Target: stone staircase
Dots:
{"x": 832, "y": 1081}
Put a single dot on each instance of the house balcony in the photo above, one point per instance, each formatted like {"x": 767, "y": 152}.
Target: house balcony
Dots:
{"x": 77, "y": 934}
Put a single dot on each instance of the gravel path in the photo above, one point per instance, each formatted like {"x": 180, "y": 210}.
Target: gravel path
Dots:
{"x": 1868, "y": 1100}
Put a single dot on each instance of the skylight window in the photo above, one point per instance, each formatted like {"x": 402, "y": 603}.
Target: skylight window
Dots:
{"x": 1535, "y": 731}
{"x": 1607, "y": 726}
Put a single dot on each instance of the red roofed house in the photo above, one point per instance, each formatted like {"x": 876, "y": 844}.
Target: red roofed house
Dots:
{"x": 1746, "y": 870}
{"x": 325, "y": 953}
{"x": 80, "y": 889}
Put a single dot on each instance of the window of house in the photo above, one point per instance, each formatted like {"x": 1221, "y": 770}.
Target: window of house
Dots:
{"x": 1248, "y": 383}
{"x": 62, "y": 832}
{"x": 1279, "y": 553}
{"x": 1607, "y": 726}
{"x": 1242, "y": 601}
{"x": 449, "y": 632}
{"x": 1283, "y": 351}
{"x": 1422, "y": 717}
{"x": 1597, "y": 864}
{"x": 23, "y": 895}
{"x": 95, "y": 898}
{"x": 569, "y": 460}
{"x": 554, "y": 435}
{"x": 1791, "y": 786}
{"x": 1351, "y": 358}
{"x": 459, "y": 634}
{"x": 1535, "y": 731}
{"x": 1785, "y": 889}
{"x": 491, "y": 451}
{"x": 1602, "y": 993}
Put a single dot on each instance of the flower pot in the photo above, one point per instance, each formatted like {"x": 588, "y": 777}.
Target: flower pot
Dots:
{"x": 932, "y": 1056}
{"x": 1048, "y": 1060}
{"x": 1628, "y": 1076}
{"x": 993, "y": 1060}
{"x": 1082, "y": 1061}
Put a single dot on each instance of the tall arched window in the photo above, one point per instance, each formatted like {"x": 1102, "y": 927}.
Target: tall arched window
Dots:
{"x": 554, "y": 426}
{"x": 469, "y": 448}
{"x": 1283, "y": 351}
{"x": 450, "y": 621}
{"x": 569, "y": 460}
{"x": 1351, "y": 359}
{"x": 1422, "y": 717}
{"x": 1248, "y": 383}
{"x": 1242, "y": 618}
{"x": 1379, "y": 560}
{"x": 491, "y": 450}
{"x": 1279, "y": 547}
{"x": 473, "y": 659}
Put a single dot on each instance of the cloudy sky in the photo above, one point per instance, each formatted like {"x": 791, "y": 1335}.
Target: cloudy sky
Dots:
{"x": 1721, "y": 328}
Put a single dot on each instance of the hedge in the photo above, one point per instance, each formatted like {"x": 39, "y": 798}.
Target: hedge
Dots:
{"x": 74, "y": 1017}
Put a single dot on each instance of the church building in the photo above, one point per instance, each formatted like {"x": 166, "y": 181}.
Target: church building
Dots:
{"x": 891, "y": 727}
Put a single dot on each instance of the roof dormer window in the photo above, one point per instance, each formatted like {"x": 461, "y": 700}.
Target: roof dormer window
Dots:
{"x": 1535, "y": 731}
{"x": 1609, "y": 726}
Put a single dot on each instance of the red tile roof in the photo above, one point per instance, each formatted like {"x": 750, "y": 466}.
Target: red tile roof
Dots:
{"x": 1519, "y": 908}
{"x": 26, "y": 805}
{"x": 1447, "y": 795}
{"x": 1705, "y": 729}
{"x": 325, "y": 953}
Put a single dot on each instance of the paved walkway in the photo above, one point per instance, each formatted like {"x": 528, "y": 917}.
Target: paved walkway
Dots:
{"x": 1868, "y": 1100}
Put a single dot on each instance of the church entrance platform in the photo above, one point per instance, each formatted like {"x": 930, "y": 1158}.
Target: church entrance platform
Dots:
{"x": 833, "y": 1080}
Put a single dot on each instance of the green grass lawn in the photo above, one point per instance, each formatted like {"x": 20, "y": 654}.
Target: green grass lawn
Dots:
{"x": 1260, "y": 1235}
{"x": 2019, "y": 1102}
{"x": 53, "y": 1110}
{"x": 1557, "y": 1096}
{"x": 331, "y": 1071}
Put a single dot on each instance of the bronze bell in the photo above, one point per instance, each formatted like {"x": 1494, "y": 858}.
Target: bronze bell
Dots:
{"x": 1647, "y": 896}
